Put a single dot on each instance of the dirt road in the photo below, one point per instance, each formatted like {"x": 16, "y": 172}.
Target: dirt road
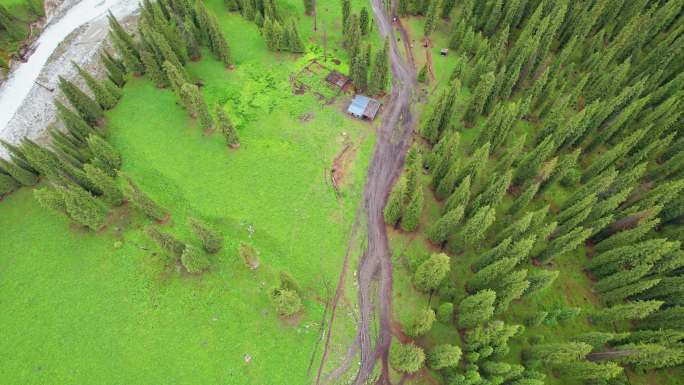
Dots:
{"x": 394, "y": 137}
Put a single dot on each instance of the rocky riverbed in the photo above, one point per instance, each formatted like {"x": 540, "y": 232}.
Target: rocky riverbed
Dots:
{"x": 34, "y": 111}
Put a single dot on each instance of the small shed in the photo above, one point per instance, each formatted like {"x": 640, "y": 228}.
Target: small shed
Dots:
{"x": 364, "y": 107}
{"x": 444, "y": 51}
{"x": 337, "y": 80}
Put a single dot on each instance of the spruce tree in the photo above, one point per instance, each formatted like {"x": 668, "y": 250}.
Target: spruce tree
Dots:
{"x": 590, "y": 371}
{"x": 166, "y": 242}
{"x": 393, "y": 208}
{"x": 564, "y": 244}
{"x": 440, "y": 230}
{"x": 431, "y": 272}
{"x": 540, "y": 280}
{"x": 89, "y": 110}
{"x": 476, "y": 227}
{"x": 630, "y": 311}
{"x": 143, "y": 202}
{"x": 116, "y": 72}
{"x": 104, "y": 155}
{"x": 83, "y": 208}
{"x": 487, "y": 276}
{"x": 624, "y": 292}
{"x": 51, "y": 199}
{"x": 226, "y": 127}
{"x": 102, "y": 95}
{"x": 407, "y": 358}
{"x": 176, "y": 78}
{"x": 476, "y": 309}
{"x": 501, "y": 250}
{"x": 622, "y": 278}
{"x": 20, "y": 174}
{"x": 194, "y": 260}
{"x": 479, "y": 98}
{"x": 431, "y": 17}
{"x": 410, "y": 218}
{"x": 524, "y": 198}
{"x": 558, "y": 353}
{"x": 460, "y": 196}
{"x": 422, "y": 323}
{"x": 74, "y": 123}
{"x": 378, "y": 79}
{"x": 153, "y": 70}
{"x": 444, "y": 356}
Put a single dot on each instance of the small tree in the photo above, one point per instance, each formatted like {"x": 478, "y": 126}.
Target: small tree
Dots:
{"x": 212, "y": 240}
{"x": 431, "y": 272}
{"x": 143, "y": 202}
{"x": 407, "y": 358}
{"x": 226, "y": 127}
{"x": 444, "y": 356}
{"x": 167, "y": 242}
{"x": 286, "y": 301}
{"x": 194, "y": 260}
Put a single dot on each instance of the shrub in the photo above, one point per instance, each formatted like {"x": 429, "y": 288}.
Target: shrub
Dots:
{"x": 212, "y": 240}
{"x": 194, "y": 260}
{"x": 445, "y": 312}
{"x": 422, "y": 323}
{"x": 287, "y": 302}
{"x": 407, "y": 358}
{"x": 249, "y": 255}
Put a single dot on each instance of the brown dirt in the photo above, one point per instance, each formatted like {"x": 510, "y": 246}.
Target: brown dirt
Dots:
{"x": 342, "y": 164}
{"x": 305, "y": 117}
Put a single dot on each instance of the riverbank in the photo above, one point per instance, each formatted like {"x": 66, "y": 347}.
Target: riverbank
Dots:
{"x": 30, "y": 114}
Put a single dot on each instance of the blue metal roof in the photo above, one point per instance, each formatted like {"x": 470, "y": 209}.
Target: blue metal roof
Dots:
{"x": 358, "y": 105}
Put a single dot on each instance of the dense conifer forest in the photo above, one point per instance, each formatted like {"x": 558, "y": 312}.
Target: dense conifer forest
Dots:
{"x": 536, "y": 228}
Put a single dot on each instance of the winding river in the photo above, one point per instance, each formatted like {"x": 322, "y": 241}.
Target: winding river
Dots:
{"x": 23, "y": 77}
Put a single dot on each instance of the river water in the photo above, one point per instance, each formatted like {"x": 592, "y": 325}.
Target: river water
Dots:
{"x": 23, "y": 77}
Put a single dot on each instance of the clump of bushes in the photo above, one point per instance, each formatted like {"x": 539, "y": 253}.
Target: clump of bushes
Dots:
{"x": 287, "y": 302}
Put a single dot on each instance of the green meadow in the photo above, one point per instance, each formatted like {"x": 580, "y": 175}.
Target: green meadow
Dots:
{"x": 82, "y": 307}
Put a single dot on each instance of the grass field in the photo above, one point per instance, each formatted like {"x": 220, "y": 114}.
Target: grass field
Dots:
{"x": 100, "y": 308}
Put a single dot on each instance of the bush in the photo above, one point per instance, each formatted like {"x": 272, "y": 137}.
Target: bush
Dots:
{"x": 422, "y": 323}
{"x": 445, "y": 312}
{"x": 249, "y": 255}
{"x": 407, "y": 358}
{"x": 444, "y": 356}
{"x": 286, "y": 301}
{"x": 194, "y": 260}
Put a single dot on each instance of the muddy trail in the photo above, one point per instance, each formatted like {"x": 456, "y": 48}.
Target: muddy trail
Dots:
{"x": 375, "y": 268}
